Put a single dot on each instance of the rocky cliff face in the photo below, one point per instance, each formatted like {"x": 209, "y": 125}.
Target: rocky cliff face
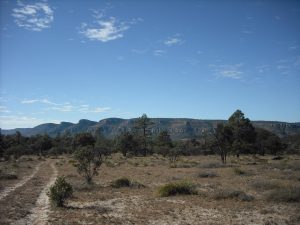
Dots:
{"x": 178, "y": 128}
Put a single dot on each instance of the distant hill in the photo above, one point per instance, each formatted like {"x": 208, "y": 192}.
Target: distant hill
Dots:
{"x": 178, "y": 128}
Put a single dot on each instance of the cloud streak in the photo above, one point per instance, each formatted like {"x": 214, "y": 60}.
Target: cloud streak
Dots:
{"x": 66, "y": 107}
{"x": 231, "y": 71}
{"x": 44, "y": 101}
{"x": 35, "y": 17}
{"x": 13, "y": 121}
{"x": 171, "y": 41}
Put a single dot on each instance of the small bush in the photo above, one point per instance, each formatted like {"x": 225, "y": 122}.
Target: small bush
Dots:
{"x": 239, "y": 171}
{"x": 264, "y": 185}
{"x": 179, "y": 188}
{"x": 233, "y": 194}
{"x": 207, "y": 174}
{"x": 121, "y": 182}
{"x": 60, "y": 191}
{"x": 290, "y": 194}
{"x": 212, "y": 165}
{"x": 8, "y": 176}
{"x": 125, "y": 182}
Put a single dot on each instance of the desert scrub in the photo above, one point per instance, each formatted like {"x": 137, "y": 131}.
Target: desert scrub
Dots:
{"x": 60, "y": 191}
{"x": 8, "y": 176}
{"x": 207, "y": 174}
{"x": 239, "y": 171}
{"x": 285, "y": 194}
{"x": 178, "y": 188}
{"x": 264, "y": 185}
{"x": 121, "y": 182}
{"x": 232, "y": 194}
{"x": 211, "y": 165}
{"x": 125, "y": 182}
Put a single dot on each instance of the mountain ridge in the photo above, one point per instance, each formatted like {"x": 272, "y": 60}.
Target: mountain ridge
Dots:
{"x": 179, "y": 128}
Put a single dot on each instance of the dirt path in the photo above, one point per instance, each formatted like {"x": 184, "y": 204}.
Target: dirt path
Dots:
{"x": 8, "y": 190}
{"x": 39, "y": 214}
{"x": 29, "y": 204}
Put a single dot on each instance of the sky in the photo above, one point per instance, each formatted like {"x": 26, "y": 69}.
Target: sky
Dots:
{"x": 87, "y": 59}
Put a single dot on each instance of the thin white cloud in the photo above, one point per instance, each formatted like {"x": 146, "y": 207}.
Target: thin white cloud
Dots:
{"x": 159, "y": 52}
{"x": 14, "y": 121}
{"x": 106, "y": 28}
{"x": 87, "y": 109}
{"x": 3, "y": 109}
{"x": 288, "y": 65}
{"x": 232, "y": 71}
{"x": 173, "y": 41}
{"x": 63, "y": 108}
{"x": 35, "y": 17}
{"x": 44, "y": 101}
{"x": 139, "y": 51}
{"x": 247, "y": 32}
{"x": 293, "y": 47}
{"x": 263, "y": 68}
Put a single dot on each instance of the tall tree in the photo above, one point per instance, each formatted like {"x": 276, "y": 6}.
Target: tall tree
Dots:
{"x": 244, "y": 134}
{"x": 223, "y": 140}
{"x": 143, "y": 124}
{"x": 84, "y": 139}
{"x": 127, "y": 143}
{"x": 163, "y": 143}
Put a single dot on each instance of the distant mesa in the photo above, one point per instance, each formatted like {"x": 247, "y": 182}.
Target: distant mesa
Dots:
{"x": 180, "y": 128}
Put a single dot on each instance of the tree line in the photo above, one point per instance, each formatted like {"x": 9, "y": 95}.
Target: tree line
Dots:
{"x": 236, "y": 136}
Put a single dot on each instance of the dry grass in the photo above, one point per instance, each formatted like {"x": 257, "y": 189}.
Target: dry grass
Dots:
{"x": 228, "y": 198}
{"x": 178, "y": 188}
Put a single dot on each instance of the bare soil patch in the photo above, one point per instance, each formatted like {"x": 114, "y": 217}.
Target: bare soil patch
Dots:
{"x": 20, "y": 202}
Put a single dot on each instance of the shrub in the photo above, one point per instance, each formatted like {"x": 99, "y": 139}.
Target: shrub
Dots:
{"x": 88, "y": 161}
{"x": 207, "y": 174}
{"x": 179, "y": 188}
{"x": 264, "y": 185}
{"x": 289, "y": 194}
{"x": 233, "y": 194}
{"x": 60, "y": 191}
{"x": 121, "y": 182}
{"x": 239, "y": 171}
{"x": 125, "y": 182}
{"x": 216, "y": 164}
{"x": 8, "y": 176}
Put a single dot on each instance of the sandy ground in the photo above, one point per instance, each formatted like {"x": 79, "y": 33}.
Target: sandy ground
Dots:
{"x": 102, "y": 204}
{"x": 30, "y": 198}
{"x": 39, "y": 214}
{"x": 24, "y": 180}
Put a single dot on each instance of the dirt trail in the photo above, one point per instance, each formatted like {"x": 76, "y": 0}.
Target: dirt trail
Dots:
{"x": 29, "y": 202}
{"x": 39, "y": 214}
{"x": 8, "y": 190}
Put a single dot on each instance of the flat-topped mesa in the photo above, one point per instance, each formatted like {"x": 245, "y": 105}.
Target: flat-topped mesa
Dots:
{"x": 178, "y": 128}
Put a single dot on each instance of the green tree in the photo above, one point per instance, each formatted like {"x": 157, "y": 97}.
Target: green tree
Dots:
{"x": 223, "y": 140}
{"x": 88, "y": 163}
{"x": 274, "y": 144}
{"x": 244, "y": 134}
{"x": 84, "y": 139}
{"x": 163, "y": 143}
{"x": 142, "y": 125}
{"x": 262, "y": 136}
{"x": 44, "y": 143}
{"x": 126, "y": 143}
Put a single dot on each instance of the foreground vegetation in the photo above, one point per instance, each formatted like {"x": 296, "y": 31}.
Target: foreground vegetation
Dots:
{"x": 103, "y": 181}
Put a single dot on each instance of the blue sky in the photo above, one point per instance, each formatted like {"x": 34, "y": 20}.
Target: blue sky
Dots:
{"x": 69, "y": 60}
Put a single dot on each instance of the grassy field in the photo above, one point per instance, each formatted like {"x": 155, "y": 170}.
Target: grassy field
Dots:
{"x": 199, "y": 190}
